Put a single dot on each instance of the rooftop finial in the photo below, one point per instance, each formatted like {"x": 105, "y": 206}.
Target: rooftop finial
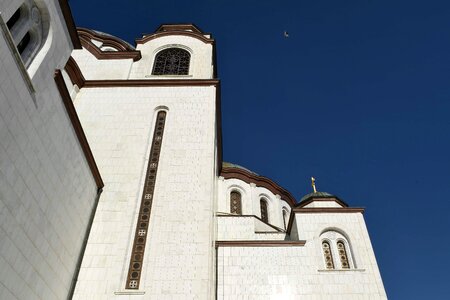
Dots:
{"x": 313, "y": 183}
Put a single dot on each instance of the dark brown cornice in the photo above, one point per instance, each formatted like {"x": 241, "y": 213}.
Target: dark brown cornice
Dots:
{"x": 68, "y": 104}
{"x": 177, "y": 27}
{"x": 219, "y": 129}
{"x": 124, "y": 51}
{"x": 260, "y": 243}
{"x": 175, "y": 31}
{"x": 74, "y": 73}
{"x": 151, "y": 82}
{"x": 304, "y": 203}
{"x": 321, "y": 210}
{"x": 252, "y": 216}
{"x": 261, "y": 181}
{"x": 67, "y": 14}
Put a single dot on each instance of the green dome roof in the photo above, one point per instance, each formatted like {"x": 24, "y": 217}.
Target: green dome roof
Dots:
{"x": 317, "y": 195}
{"x": 230, "y": 165}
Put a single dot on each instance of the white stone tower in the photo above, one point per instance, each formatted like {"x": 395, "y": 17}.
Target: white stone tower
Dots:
{"x": 153, "y": 231}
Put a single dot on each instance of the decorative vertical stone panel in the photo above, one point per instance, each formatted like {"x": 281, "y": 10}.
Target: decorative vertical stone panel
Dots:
{"x": 140, "y": 237}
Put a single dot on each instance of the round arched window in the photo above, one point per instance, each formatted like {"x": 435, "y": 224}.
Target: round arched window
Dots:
{"x": 172, "y": 61}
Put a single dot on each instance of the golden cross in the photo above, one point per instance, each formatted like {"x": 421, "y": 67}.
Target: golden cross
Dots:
{"x": 313, "y": 183}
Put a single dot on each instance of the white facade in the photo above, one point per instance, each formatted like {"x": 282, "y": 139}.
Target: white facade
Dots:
{"x": 199, "y": 243}
{"x": 47, "y": 192}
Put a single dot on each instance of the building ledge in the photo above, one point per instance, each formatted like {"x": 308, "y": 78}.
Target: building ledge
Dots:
{"x": 129, "y": 292}
{"x": 340, "y": 270}
{"x": 260, "y": 243}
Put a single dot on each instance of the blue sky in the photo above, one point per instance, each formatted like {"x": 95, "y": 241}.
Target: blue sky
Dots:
{"x": 357, "y": 96}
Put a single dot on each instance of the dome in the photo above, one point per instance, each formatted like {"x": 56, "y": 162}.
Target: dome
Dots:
{"x": 231, "y": 165}
{"x": 317, "y": 195}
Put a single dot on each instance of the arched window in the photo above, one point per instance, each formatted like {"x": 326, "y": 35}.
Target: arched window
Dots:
{"x": 235, "y": 203}
{"x": 336, "y": 250}
{"x": 343, "y": 255}
{"x": 27, "y": 30}
{"x": 285, "y": 218}
{"x": 329, "y": 264}
{"x": 172, "y": 61}
{"x": 264, "y": 215}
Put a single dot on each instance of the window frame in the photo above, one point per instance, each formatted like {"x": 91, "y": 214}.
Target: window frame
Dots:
{"x": 267, "y": 217}
{"x": 333, "y": 237}
{"x": 160, "y": 52}
{"x": 240, "y": 201}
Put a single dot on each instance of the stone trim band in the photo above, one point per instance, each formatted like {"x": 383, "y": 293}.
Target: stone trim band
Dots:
{"x": 141, "y": 232}
{"x": 260, "y": 243}
{"x": 71, "y": 112}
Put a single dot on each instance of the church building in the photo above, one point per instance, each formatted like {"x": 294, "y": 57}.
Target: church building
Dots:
{"x": 112, "y": 183}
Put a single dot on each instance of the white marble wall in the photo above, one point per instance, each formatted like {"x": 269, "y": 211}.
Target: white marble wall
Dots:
{"x": 47, "y": 191}
{"x": 299, "y": 272}
{"x": 93, "y": 68}
{"x": 178, "y": 262}
{"x": 250, "y": 197}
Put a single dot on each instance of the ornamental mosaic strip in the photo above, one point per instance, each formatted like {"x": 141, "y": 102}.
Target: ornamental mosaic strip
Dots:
{"x": 140, "y": 237}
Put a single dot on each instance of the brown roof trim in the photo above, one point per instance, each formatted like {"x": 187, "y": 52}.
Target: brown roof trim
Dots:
{"x": 252, "y": 216}
{"x": 67, "y": 14}
{"x": 68, "y": 104}
{"x": 219, "y": 129}
{"x": 195, "y": 35}
{"x": 175, "y": 27}
{"x": 261, "y": 181}
{"x": 260, "y": 243}
{"x": 151, "y": 82}
{"x": 304, "y": 203}
{"x": 319, "y": 210}
{"x": 125, "y": 51}
{"x": 74, "y": 72}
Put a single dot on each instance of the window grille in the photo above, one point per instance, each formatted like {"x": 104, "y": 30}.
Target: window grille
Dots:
{"x": 235, "y": 203}
{"x": 264, "y": 215}
{"x": 172, "y": 61}
{"x": 327, "y": 255}
{"x": 343, "y": 255}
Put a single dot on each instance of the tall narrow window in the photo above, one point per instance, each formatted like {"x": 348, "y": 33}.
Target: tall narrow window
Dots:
{"x": 235, "y": 203}
{"x": 13, "y": 20}
{"x": 172, "y": 61}
{"x": 343, "y": 255}
{"x": 264, "y": 215}
{"x": 327, "y": 255}
{"x": 285, "y": 218}
{"x": 140, "y": 237}
{"x": 24, "y": 43}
